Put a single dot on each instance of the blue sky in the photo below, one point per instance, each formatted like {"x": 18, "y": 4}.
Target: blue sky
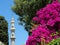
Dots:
{"x": 5, "y": 10}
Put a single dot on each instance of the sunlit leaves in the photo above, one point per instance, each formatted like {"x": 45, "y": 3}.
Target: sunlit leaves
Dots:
{"x": 26, "y": 10}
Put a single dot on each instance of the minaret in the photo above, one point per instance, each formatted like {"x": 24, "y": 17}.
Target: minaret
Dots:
{"x": 12, "y": 32}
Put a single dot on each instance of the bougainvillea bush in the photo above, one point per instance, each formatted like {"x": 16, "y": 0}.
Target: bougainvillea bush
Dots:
{"x": 48, "y": 29}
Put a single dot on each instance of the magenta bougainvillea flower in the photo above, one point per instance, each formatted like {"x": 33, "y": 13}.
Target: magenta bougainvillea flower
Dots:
{"x": 49, "y": 15}
{"x": 48, "y": 19}
{"x": 37, "y": 34}
{"x": 31, "y": 41}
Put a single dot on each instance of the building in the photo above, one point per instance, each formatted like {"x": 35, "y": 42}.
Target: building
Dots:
{"x": 12, "y": 37}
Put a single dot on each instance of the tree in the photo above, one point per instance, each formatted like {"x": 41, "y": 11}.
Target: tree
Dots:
{"x": 3, "y": 30}
{"x": 26, "y": 10}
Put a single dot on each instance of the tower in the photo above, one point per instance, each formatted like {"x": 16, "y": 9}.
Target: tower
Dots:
{"x": 12, "y": 32}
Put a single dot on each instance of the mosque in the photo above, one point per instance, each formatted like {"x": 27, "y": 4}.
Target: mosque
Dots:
{"x": 12, "y": 37}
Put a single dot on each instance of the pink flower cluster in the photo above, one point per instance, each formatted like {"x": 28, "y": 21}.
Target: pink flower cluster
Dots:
{"x": 48, "y": 19}
{"x": 39, "y": 33}
{"x": 49, "y": 16}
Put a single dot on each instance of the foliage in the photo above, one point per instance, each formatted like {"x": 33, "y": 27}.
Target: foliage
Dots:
{"x": 55, "y": 42}
{"x": 26, "y": 10}
{"x": 3, "y": 30}
{"x": 48, "y": 29}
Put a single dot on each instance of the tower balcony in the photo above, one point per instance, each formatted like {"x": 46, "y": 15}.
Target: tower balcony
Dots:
{"x": 12, "y": 37}
{"x": 13, "y": 28}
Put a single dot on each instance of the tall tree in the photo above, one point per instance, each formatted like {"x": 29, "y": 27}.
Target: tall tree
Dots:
{"x": 26, "y": 10}
{"x": 3, "y": 30}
